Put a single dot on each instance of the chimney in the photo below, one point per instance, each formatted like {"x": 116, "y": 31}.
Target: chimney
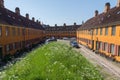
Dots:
{"x": 27, "y": 15}
{"x": 96, "y": 13}
{"x": 118, "y": 3}
{"x": 2, "y": 3}
{"x": 64, "y": 24}
{"x": 33, "y": 19}
{"x": 55, "y": 25}
{"x": 107, "y": 7}
{"x": 75, "y": 24}
{"x": 37, "y": 21}
{"x": 17, "y": 11}
{"x": 82, "y": 22}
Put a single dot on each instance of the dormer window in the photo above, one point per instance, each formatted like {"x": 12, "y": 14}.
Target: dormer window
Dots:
{"x": 108, "y": 16}
{"x": 9, "y": 16}
{"x": 19, "y": 19}
{"x": 13, "y": 17}
{"x": 102, "y": 19}
{"x": 118, "y": 12}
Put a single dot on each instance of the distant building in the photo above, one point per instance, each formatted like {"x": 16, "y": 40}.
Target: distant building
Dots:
{"x": 61, "y": 31}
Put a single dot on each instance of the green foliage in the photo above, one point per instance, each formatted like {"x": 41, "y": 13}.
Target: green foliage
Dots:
{"x": 54, "y": 61}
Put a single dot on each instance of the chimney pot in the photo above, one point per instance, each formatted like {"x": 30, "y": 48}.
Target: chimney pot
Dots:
{"x": 17, "y": 10}
{"x": 55, "y": 25}
{"x": 27, "y": 15}
{"x": 74, "y": 23}
{"x": 64, "y": 24}
{"x": 107, "y": 7}
{"x": 37, "y": 21}
{"x": 33, "y": 19}
{"x": 96, "y": 13}
{"x": 2, "y": 3}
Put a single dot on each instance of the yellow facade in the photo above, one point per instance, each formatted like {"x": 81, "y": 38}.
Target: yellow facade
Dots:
{"x": 21, "y": 37}
{"x": 90, "y": 35}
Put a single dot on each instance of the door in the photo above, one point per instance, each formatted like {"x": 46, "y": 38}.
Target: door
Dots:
{"x": 0, "y": 52}
{"x": 92, "y": 44}
{"x": 97, "y": 45}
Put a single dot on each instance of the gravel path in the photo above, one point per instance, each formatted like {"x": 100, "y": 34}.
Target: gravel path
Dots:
{"x": 109, "y": 69}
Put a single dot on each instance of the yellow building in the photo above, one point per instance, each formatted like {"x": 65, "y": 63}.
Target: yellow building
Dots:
{"x": 61, "y": 31}
{"x": 102, "y": 32}
{"x": 17, "y": 32}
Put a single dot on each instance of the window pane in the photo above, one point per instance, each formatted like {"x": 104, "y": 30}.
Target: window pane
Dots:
{"x": 13, "y": 31}
{"x": 18, "y": 31}
{"x": 7, "y": 31}
{"x": 96, "y": 31}
{"x": 13, "y": 45}
{"x": 112, "y": 49}
{"x": 106, "y": 47}
{"x": 101, "y": 45}
{"x": 113, "y": 30}
{"x": 106, "y": 31}
{"x": 100, "y": 31}
{"x": 7, "y": 48}
{"x": 23, "y": 32}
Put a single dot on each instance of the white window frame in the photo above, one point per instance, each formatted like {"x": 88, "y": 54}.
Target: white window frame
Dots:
{"x": 7, "y": 31}
{"x": 106, "y": 31}
{"x": 113, "y": 32}
{"x": 7, "y": 47}
{"x": 97, "y": 31}
{"x": 112, "y": 48}
{"x": 106, "y": 47}
{"x": 101, "y": 31}
{"x": 100, "y": 45}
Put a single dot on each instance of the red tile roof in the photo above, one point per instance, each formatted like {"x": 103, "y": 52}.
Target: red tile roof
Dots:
{"x": 10, "y": 18}
{"x": 112, "y": 17}
{"x": 63, "y": 28}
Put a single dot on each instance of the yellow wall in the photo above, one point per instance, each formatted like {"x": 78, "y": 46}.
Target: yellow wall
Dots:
{"x": 85, "y": 34}
{"x": 30, "y": 34}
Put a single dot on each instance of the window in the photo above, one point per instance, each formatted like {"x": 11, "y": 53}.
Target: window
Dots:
{"x": 7, "y": 48}
{"x": 97, "y": 45}
{"x": 106, "y": 47}
{"x": 100, "y": 31}
{"x": 0, "y": 31}
{"x": 13, "y": 31}
{"x": 18, "y": 31}
{"x": 13, "y": 45}
{"x": 106, "y": 31}
{"x": 7, "y": 31}
{"x": 101, "y": 45}
{"x": 23, "y": 32}
{"x": 96, "y": 31}
{"x": 113, "y": 30}
{"x": 112, "y": 48}
{"x": 118, "y": 12}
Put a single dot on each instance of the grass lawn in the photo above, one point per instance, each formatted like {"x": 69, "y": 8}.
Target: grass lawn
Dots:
{"x": 53, "y": 61}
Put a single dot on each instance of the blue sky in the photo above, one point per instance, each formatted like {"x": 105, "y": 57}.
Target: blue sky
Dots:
{"x": 59, "y": 11}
